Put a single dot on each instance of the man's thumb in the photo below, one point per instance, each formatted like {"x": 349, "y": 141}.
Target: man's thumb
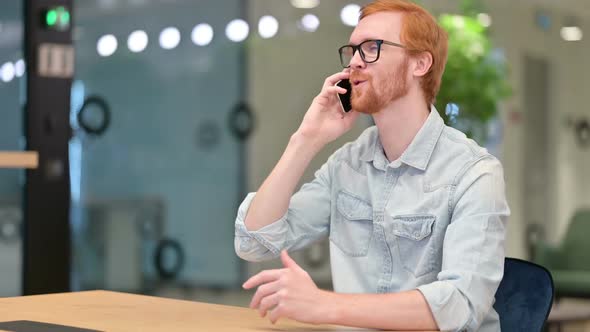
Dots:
{"x": 287, "y": 261}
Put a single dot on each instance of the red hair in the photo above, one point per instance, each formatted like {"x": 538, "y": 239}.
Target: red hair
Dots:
{"x": 420, "y": 33}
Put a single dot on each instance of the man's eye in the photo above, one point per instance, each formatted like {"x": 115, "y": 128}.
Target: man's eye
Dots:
{"x": 373, "y": 48}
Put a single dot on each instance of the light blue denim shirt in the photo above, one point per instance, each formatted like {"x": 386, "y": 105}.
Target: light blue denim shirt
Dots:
{"x": 433, "y": 220}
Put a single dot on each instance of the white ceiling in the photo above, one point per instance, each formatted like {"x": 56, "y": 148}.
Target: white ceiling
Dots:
{"x": 579, "y": 8}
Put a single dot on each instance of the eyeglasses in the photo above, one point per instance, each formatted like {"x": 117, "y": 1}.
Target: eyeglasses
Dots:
{"x": 369, "y": 50}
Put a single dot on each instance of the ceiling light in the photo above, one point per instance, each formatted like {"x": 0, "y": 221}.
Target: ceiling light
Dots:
{"x": 309, "y": 23}
{"x": 169, "y": 38}
{"x": 572, "y": 33}
{"x": 106, "y": 45}
{"x": 7, "y": 72}
{"x": 268, "y": 26}
{"x": 202, "y": 34}
{"x": 137, "y": 41}
{"x": 237, "y": 30}
{"x": 350, "y": 14}
{"x": 305, "y": 4}
{"x": 19, "y": 68}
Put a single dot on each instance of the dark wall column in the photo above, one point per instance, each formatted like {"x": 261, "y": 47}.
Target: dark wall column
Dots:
{"x": 49, "y": 57}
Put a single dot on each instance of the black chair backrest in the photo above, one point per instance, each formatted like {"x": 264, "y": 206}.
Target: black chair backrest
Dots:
{"x": 524, "y": 297}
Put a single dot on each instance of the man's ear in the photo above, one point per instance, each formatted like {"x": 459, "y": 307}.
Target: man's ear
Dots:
{"x": 423, "y": 64}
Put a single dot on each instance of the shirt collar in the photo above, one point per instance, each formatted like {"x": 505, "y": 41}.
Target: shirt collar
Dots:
{"x": 419, "y": 151}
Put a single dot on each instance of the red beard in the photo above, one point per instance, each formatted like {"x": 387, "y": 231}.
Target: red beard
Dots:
{"x": 368, "y": 99}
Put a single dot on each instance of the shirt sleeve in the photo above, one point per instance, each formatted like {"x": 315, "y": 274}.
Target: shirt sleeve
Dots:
{"x": 307, "y": 220}
{"x": 473, "y": 250}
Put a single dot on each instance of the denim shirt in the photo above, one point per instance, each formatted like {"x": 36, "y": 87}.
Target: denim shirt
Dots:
{"x": 433, "y": 220}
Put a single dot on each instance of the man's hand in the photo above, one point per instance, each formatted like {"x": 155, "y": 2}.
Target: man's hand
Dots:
{"x": 287, "y": 292}
{"x": 324, "y": 121}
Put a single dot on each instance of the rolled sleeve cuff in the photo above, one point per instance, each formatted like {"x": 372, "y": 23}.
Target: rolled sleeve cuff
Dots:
{"x": 271, "y": 236}
{"x": 449, "y": 307}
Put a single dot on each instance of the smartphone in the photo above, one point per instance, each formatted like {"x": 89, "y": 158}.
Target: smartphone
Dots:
{"x": 345, "y": 98}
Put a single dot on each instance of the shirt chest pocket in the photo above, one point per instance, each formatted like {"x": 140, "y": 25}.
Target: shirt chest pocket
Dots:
{"x": 412, "y": 234}
{"x": 352, "y": 225}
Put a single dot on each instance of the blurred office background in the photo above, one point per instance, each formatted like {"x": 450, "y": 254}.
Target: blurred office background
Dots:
{"x": 203, "y": 96}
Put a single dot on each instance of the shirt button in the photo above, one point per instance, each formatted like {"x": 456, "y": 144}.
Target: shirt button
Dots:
{"x": 395, "y": 164}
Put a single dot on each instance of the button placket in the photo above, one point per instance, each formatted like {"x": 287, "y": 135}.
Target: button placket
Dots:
{"x": 384, "y": 283}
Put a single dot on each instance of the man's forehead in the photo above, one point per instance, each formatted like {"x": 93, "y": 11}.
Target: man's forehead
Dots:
{"x": 382, "y": 25}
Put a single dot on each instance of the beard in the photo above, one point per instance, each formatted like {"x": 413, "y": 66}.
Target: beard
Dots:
{"x": 376, "y": 94}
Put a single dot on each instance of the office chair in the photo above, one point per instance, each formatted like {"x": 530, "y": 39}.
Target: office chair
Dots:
{"x": 524, "y": 297}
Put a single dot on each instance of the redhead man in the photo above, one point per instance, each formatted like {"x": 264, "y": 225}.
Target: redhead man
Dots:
{"x": 415, "y": 212}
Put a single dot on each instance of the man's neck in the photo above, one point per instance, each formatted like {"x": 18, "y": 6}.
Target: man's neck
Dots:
{"x": 399, "y": 123}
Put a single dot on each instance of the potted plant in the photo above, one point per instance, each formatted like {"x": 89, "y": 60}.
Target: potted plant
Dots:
{"x": 475, "y": 78}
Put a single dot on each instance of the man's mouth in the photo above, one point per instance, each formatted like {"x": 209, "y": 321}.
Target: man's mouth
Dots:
{"x": 358, "y": 82}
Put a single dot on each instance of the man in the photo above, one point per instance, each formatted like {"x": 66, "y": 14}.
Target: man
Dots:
{"x": 415, "y": 212}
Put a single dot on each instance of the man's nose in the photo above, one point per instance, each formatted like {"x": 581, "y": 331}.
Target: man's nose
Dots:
{"x": 357, "y": 61}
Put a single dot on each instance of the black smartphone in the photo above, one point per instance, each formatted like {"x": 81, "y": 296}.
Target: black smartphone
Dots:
{"x": 345, "y": 98}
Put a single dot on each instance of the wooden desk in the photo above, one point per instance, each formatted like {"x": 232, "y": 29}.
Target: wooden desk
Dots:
{"x": 113, "y": 311}
{"x": 26, "y": 159}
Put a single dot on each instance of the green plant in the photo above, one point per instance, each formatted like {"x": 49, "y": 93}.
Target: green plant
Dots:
{"x": 475, "y": 81}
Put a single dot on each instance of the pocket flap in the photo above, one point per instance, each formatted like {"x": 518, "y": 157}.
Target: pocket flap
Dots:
{"x": 352, "y": 207}
{"x": 413, "y": 226}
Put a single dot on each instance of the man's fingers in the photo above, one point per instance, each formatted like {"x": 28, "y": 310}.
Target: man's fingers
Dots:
{"x": 332, "y": 80}
{"x": 276, "y": 314}
{"x": 263, "y": 292}
{"x": 289, "y": 262}
{"x": 268, "y": 303}
{"x": 332, "y": 90}
{"x": 262, "y": 278}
